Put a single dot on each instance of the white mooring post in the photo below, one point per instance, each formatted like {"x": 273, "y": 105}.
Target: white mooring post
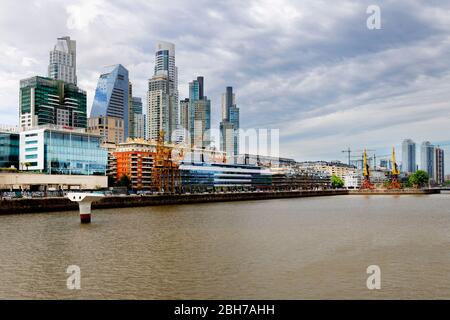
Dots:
{"x": 84, "y": 200}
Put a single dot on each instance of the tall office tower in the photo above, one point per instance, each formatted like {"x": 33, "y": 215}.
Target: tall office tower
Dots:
{"x": 184, "y": 114}
{"x": 130, "y": 111}
{"x": 199, "y": 114}
{"x": 439, "y": 165}
{"x": 47, "y": 101}
{"x": 427, "y": 158}
{"x": 138, "y": 118}
{"x": 112, "y": 96}
{"x": 163, "y": 98}
{"x": 229, "y": 127}
{"x": 63, "y": 61}
{"x": 136, "y": 105}
{"x": 409, "y": 156}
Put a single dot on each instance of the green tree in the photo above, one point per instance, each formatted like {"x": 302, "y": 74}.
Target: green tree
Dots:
{"x": 336, "y": 182}
{"x": 111, "y": 181}
{"x": 124, "y": 181}
{"x": 419, "y": 178}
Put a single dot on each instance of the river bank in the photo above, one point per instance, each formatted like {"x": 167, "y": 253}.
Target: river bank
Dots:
{"x": 32, "y": 205}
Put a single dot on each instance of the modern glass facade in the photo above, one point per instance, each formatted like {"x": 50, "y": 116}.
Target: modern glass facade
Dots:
{"x": 112, "y": 95}
{"x": 47, "y": 101}
{"x": 60, "y": 151}
{"x": 409, "y": 156}
{"x": 9, "y": 150}
{"x": 198, "y": 176}
{"x": 427, "y": 158}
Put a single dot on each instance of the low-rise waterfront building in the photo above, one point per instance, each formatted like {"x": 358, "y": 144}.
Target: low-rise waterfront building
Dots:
{"x": 9, "y": 147}
{"x": 353, "y": 181}
{"x": 134, "y": 158}
{"x": 31, "y": 181}
{"x": 58, "y": 150}
{"x": 201, "y": 176}
{"x": 335, "y": 168}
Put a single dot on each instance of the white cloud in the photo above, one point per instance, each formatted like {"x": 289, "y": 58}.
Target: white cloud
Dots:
{"x": 82, "y": 14}
{"x": 310, "y": 68}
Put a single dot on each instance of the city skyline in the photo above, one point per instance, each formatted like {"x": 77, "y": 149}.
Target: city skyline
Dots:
{"x": 310, "y": 81}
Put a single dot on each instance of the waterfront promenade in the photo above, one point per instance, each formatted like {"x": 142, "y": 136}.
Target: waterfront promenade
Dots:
{"x": 30, "y": 205}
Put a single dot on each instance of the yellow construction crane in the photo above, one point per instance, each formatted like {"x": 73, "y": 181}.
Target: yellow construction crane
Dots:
{"x": 366, "y": 184}
{"x": 395, "y": 170}
{"x": 394, "y": 173}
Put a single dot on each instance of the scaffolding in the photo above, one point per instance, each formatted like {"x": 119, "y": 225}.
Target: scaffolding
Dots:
{"x": 165, "y": 172}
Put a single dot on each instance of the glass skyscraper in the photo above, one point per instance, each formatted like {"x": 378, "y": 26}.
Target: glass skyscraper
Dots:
{"x": 427, "y": 158}
{"x": 229, "y": 127}
{"x": 409, "y": 156}
{"x": 112, "y": 95}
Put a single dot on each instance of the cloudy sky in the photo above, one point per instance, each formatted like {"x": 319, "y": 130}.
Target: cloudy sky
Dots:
{"x": 309, "y": 68}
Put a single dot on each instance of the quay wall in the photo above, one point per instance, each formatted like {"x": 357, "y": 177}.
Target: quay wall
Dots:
{"x": 28, "y": 205}
{"x": 31, "y": 205}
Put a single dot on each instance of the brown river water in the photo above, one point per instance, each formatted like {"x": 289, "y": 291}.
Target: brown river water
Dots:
{"x": 304, "y": 248}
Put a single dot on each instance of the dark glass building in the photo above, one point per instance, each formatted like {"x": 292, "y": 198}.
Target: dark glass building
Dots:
{"x": 47, "y": 101}
{"x": 9, "y": 149}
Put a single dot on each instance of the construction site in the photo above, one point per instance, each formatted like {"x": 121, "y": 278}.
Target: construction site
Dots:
{"x": 385, "y": 176}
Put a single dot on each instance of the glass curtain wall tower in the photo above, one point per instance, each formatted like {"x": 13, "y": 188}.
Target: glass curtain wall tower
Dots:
{"x": 229, "y": 126}
{"x": 408, "y": 156}
{"x": 112, "y": 95}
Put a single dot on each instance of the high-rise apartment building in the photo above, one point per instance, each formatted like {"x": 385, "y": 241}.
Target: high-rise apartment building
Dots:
{"x": 427, "y": 158}
{"x": 63, "y": 61}
{"x": 199, "y": 114}
{"x": 409, "y": 156}
{"x": 112, "y": 96}
{"x": 439, "y": 166}
{"x": 157, "y": 104}
{"x": 162, "y": 95}
{"x": 229, "y": 126}
{"x": 47, "y": 101}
